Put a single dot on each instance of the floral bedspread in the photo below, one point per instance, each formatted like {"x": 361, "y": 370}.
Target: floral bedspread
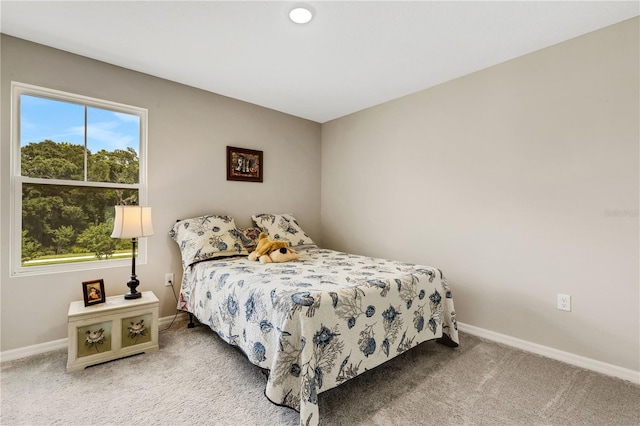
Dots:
{"x": 319, "y": 321}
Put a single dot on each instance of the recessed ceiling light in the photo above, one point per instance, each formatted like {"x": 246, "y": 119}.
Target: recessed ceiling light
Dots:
{"x": 301, "y": 14}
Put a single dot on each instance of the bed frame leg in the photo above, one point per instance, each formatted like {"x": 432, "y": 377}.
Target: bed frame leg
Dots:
{"x": 447, "y": 341}
{"x": 191, "y": 323}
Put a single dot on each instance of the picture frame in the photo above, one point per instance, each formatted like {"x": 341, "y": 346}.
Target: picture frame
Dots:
{"x": 93, "y": 292}
{"x": 244, "y": 164}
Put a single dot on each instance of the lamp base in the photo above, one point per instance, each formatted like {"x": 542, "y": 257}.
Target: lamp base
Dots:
{"x": 131, "y": 295}
{"x": 132, "y": 284}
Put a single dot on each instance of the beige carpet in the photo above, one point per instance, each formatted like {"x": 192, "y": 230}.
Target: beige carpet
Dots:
{"x": 196, "y": 379}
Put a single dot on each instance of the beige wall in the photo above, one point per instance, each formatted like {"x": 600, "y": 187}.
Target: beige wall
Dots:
{"x": 506, "y": 179}
{"x": 188, "y": 132}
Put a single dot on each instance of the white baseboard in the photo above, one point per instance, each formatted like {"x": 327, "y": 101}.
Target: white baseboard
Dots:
{"x": 577, "y": 360}
{"x": 41, "y": 348}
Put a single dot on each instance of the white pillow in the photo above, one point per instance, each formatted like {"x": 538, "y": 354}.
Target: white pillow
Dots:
{"x": 282, "y": 227}
{"x": 207, "y": 237}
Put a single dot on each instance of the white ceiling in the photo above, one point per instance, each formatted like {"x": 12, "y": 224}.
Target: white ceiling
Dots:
{"x": 351, "y": 56}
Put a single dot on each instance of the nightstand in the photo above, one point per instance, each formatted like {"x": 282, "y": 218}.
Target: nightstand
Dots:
{"x": 111, "y": 330}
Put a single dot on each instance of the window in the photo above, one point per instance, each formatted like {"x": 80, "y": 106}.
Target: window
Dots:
{"x": 73, "y": 159}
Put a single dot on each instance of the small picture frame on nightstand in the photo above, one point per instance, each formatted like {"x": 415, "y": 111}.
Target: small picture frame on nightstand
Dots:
{"x": 93, "y": 292}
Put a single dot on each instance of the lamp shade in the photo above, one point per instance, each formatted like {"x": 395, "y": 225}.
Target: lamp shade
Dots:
{"x": 132, "y": 222}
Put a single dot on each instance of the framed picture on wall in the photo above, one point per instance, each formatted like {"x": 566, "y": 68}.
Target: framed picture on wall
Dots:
{"x": 244, "y": 164}
{"x": 93, "y": 292}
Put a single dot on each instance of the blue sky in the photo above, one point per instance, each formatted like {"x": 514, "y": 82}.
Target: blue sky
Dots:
{"x": 60, "y": 121}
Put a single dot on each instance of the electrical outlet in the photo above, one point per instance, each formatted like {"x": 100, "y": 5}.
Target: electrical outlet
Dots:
{"x": 564, "y": 302}
{"x": 168, "y": 279}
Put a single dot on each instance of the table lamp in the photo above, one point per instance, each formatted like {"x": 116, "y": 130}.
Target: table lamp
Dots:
{"x": 132, "y": 222}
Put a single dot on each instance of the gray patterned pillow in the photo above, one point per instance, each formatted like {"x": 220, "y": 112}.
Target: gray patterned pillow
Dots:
{"x": 207, "y": 237}
{"x": 282, "y": 227}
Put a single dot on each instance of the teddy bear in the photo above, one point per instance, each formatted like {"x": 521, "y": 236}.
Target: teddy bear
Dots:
{"x": 269, "y": 251}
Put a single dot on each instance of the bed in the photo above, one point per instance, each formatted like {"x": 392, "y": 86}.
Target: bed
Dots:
{"x": 314, "y": 323}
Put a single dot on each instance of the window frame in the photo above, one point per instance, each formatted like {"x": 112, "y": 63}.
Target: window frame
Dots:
{"x": 17, "y": 180}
